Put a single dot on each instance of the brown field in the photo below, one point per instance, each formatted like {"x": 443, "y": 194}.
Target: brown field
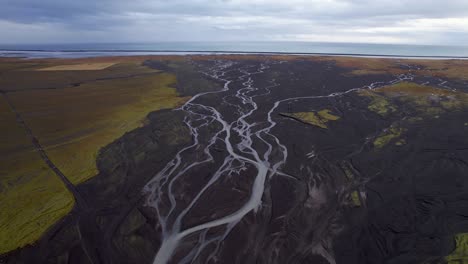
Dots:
{"x": 29, "y": 78}
{"x": 456, "y": 69}
{"x": 364, "y": 66}
{"x": 73, "y": 113}
{"x": 79, "y": 67}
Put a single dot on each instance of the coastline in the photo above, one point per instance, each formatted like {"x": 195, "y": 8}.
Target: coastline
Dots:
{"x": 76, "y": 54}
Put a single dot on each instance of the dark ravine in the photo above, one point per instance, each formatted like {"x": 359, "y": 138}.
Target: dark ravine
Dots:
{"x": 187, "y": 180}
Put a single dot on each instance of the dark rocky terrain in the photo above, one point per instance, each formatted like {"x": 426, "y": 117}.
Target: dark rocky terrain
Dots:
{"x": 373, "y": 170}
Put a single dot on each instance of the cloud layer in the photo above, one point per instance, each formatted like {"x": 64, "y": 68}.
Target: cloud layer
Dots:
{"x": 383, "y": 21}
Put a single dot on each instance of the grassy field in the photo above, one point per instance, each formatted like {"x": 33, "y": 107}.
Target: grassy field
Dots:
{"x": 74, "y": 123}
{"x": 73, "y": 111}
{"x": 32, "y": 196}
{"x": 460, "y": 255}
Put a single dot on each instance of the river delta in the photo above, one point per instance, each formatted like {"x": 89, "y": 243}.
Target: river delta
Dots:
{"x": 234, "y": 159}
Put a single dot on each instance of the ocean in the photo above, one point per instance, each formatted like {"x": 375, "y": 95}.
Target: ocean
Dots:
{"x": 181, "y": 48}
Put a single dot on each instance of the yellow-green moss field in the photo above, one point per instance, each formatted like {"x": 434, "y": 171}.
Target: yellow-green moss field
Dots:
{"x": 428, "y": 102}
{"x": 319, "y": 119}
{"x": 355, "y": 201}
{"x": 379, "y": 104}
{"x": 72, "y": 123}
{"x": 389, "y": 135}
{"x": 460, "y": 254}
{"x": 32, "y": 197}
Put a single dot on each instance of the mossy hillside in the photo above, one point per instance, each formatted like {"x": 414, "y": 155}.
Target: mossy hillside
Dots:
{"x": 32, "y": 197}
{"x": 319, "y": 119}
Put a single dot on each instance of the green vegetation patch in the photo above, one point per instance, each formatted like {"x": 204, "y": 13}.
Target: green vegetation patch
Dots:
{"x": 326, "y": 115}
{"x": 379, "y": 104}
{"x": 319, "y": 119}
{"x": 347, "y": 171}
{"x": 355, "y": 199}
{"x": 32, "y": 197}
{"x": 400, "y": 142}
{"x": 460, "y": 254}
{"x": 426, "y": 100}
{"x": 72, "y": 124}
{"x": 387, "y": 136}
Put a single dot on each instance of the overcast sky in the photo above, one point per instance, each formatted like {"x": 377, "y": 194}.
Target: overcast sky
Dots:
{"x": 369, "y": 21}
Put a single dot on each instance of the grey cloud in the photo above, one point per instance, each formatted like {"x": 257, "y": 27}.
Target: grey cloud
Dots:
{"x": 158, "y": 20}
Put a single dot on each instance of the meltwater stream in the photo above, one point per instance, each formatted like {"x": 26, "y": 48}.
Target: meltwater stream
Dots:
{"x": 243, "y": 153}
{"x": 239, "y": 155}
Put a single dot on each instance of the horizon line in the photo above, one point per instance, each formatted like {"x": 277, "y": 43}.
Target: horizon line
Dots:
{"x": 220, "y": 52}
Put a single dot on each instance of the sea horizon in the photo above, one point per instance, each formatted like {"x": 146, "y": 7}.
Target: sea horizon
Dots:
{"x": 76, "y": 50}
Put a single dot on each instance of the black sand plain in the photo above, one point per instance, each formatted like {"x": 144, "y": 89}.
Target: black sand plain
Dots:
{"x": 385, "y": 181}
